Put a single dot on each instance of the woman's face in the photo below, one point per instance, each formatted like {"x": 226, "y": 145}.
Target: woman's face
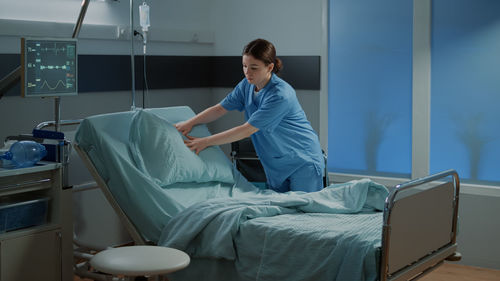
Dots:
{"x": 256, "y": 71}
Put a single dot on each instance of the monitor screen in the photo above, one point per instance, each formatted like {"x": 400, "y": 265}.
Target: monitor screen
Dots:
{"x": 49, "y": 67}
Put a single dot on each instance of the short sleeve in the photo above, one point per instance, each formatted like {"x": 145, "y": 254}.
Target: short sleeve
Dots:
{"x": 270, "y": 113}
{"x": 236, "y": 99}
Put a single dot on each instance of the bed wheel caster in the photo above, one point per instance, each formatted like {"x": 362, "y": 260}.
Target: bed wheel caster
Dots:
{"x": 455, "y": 257}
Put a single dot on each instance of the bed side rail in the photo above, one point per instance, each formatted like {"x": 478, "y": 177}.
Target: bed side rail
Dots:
{"x": 61, "y": 123}
{"x": 420, "y": 226}
{"x": 131, "y": 229}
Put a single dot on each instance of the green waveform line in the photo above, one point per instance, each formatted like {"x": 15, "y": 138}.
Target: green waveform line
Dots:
{"x": 52, "y": 88}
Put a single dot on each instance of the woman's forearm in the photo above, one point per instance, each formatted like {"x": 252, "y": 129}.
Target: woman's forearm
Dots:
{"x": 234, "y": 134}
{"x": 208, "y": 115}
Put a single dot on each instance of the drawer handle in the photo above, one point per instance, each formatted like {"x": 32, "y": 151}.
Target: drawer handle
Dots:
{"x": 26, "y": 184}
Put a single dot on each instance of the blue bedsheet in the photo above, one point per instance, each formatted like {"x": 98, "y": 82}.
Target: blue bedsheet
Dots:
{"x": 260, "y": 231}
{"x": 310, "y": 246}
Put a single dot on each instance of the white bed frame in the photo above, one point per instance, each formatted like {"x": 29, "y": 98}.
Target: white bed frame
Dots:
{"x": 419, "y": 229}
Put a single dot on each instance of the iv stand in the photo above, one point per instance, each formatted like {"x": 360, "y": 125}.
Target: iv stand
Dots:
{"x": 132, "y": 54}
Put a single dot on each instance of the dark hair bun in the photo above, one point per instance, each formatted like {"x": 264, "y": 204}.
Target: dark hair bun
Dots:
{"x": 278, "y": 65}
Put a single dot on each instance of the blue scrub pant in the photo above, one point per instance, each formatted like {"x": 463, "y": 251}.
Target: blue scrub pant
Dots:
{"x": 307, "y": 178}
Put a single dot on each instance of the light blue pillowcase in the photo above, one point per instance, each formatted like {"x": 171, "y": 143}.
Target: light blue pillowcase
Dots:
{"x": 158, "y": 150}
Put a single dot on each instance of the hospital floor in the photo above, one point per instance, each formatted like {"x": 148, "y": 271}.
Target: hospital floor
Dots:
{"x": 457, "y": 272}
{"x": 446, "y": 272}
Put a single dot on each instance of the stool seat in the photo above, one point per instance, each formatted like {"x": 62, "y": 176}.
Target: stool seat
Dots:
{"x": 140, "y": 260}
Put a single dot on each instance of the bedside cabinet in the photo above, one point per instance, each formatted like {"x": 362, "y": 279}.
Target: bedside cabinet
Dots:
{"x": 35, "y": 225}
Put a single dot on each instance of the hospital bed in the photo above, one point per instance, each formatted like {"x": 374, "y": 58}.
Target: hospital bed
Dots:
{"x": 358, "y": 230}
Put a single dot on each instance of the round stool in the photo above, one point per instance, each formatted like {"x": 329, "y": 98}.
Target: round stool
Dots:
{"x": 140, "y": 261}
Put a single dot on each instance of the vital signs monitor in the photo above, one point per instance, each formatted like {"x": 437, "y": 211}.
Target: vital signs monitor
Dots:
{"x": 49, "y": 67}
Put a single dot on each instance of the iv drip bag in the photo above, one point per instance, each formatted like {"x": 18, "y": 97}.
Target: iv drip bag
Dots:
{"x": 144, "y": 16}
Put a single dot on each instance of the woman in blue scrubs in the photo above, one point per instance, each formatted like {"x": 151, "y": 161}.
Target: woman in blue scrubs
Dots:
{"x": 284, "y": 140}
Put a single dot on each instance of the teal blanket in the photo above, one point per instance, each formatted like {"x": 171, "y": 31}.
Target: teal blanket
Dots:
{"x": 214, "y": 229}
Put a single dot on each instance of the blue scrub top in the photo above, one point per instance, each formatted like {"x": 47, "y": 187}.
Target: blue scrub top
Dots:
{"x": 285, "y": 140}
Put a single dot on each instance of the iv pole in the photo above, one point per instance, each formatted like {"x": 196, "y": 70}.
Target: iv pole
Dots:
{"x": 132, "y": 54}
{"x": 76, "y": 31}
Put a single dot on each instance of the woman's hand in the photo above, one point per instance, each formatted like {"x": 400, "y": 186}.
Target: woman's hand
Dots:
{"x": 184, "y": 127}
{"x": 206, "y": 116}
{"x": 196, "y": 144}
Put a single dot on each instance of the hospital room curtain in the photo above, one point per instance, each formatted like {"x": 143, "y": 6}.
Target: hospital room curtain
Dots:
{"x": 465, "y": 89}
{"x": 370, "y": 85}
